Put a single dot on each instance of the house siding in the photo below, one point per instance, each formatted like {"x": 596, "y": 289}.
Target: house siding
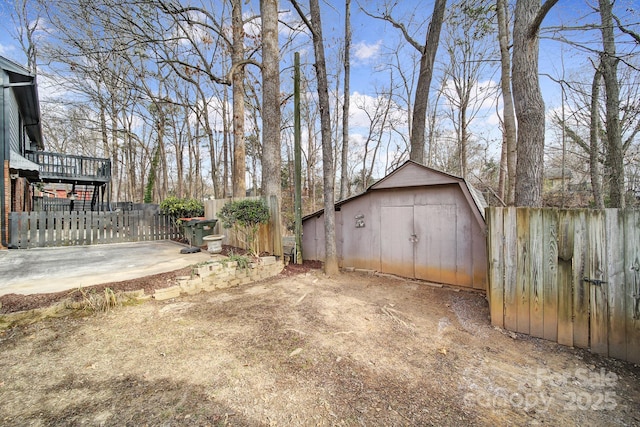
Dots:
{"x": 13, "y": 117}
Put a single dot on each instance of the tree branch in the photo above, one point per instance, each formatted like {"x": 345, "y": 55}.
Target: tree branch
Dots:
{"x": 571, "y": 133}
{"x": 627, "y": 31}
{"x": 631, "y": 137}
{"x": 542, "y": 12}
{"x": 398, "y": 25}
{"x": 308, "y": 23}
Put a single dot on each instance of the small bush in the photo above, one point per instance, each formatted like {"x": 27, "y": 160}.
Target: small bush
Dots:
{"x": 245, "y": 217}
{"x": 241, "y": 260}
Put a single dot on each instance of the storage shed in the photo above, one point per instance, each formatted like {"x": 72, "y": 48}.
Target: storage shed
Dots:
{"x": 416, "y": 222}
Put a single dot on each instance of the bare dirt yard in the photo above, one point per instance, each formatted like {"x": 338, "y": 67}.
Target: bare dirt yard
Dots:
{"x": 306, "y": 349}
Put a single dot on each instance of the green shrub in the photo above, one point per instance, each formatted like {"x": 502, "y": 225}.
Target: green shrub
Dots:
{"x": 182, "y": 208}
{"x": 245, "y": 217}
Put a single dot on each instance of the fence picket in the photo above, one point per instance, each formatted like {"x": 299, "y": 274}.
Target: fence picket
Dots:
{"x": 581, "y": 295}
{"x": 523, "y": 270}
{"x": 550, "y": 274}
{"x": 564, "y": 283}
{"x": 632, "y": 280}
{"x": 58, "y": 227}
{"x": 42, "y": 228}
{"x": 615, "y": 286}
{"x": 511, "y": 269}
{"x": 495, "y": 224}
{"x": 536, "y": 288}
{"x": 597, "y": 270}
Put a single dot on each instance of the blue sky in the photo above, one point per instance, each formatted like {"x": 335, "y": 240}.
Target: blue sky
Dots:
{"x": 373, "y": 40}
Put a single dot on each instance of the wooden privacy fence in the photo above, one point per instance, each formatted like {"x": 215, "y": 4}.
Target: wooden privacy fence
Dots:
{"x": 43, "y": 229}
{"x": 571, "y": 276}
{"x": 269, "y": 235}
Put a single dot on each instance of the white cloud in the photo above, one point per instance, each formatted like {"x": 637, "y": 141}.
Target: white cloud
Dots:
{"x": 51, "y": 89}
{"x": 482, "y": 94}
{"x": 291, "y": 24}
{"x": 365, "y": 52}
{"x": 361, "y": 104}
{"x": 7, "y": 50}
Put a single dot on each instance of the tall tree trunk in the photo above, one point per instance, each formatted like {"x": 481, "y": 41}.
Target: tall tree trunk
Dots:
{"x": 237, "y": 55}
{"x": 502, "y": 176}
{"x": 271, "y": 160}
{"x": 594, "y": 137}
{"x": 464, "y": 139}
{"x": 528, "y": 101}
{"x": 344, "y": 176}
{"x": 421, "y": 100}
{"x": 509, "y": 119}
{"x": 609, "y": 62}
{"x": 115, "y": 152}
{"x": 225, "y": 144}
{"x": 315, "y": 26}
{"x": 331, "y": 256}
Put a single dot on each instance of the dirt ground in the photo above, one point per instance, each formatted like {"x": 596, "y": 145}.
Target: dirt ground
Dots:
{"x": 306, "y": 349}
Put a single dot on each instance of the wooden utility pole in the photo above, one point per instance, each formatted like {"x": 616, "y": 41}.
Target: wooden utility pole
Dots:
{"x": 297, "y": 158}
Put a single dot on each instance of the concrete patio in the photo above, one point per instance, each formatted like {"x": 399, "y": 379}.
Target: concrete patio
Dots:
{"x": 44, "y": 270}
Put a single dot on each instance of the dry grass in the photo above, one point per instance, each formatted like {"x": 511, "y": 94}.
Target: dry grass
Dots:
{"x": 93, "y": 301}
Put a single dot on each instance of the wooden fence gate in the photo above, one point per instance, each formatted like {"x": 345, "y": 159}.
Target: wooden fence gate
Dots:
{"x": 571, "y": 276}
{"x": 43, "y": 229}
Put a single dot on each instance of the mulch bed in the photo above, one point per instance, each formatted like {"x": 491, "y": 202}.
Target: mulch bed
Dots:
{"x": 11, "y": 303}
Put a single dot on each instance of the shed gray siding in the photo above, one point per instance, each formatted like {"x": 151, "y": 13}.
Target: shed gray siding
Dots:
{"x": 376, "y": 229}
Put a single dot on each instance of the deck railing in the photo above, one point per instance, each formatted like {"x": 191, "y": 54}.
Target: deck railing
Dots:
{"x": 57, "y": 166}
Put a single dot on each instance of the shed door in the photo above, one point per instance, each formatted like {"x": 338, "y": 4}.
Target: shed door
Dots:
{"x": 435, "y": 250}
{"x": 420, "y": 241}
{"x": 396, "y": 249}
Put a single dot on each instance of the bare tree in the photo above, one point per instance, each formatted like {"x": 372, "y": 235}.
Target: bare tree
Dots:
{"x": 344, "y": 177}
{"x": 315, "y": 27}
{"x": 377, "y": 112}
{"x": 609, "y": 66}
{"x": 26, "y": 17}
{"x": 508, "y": 112}
{"x": 529, "y": 105}
{"x": 427, "y": 60}
{"x": 468, "y": 49}
{"x": 237, "y": 55}
{"x": 271, "y": 114}
{"x": 586, "y": 130}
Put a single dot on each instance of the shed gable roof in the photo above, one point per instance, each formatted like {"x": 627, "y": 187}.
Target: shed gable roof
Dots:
{"x": 413, "y": 174}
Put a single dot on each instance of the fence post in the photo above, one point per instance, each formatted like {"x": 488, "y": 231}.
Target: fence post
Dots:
{"x": 495, "y": 290}
{"x": 275, "y": 228}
